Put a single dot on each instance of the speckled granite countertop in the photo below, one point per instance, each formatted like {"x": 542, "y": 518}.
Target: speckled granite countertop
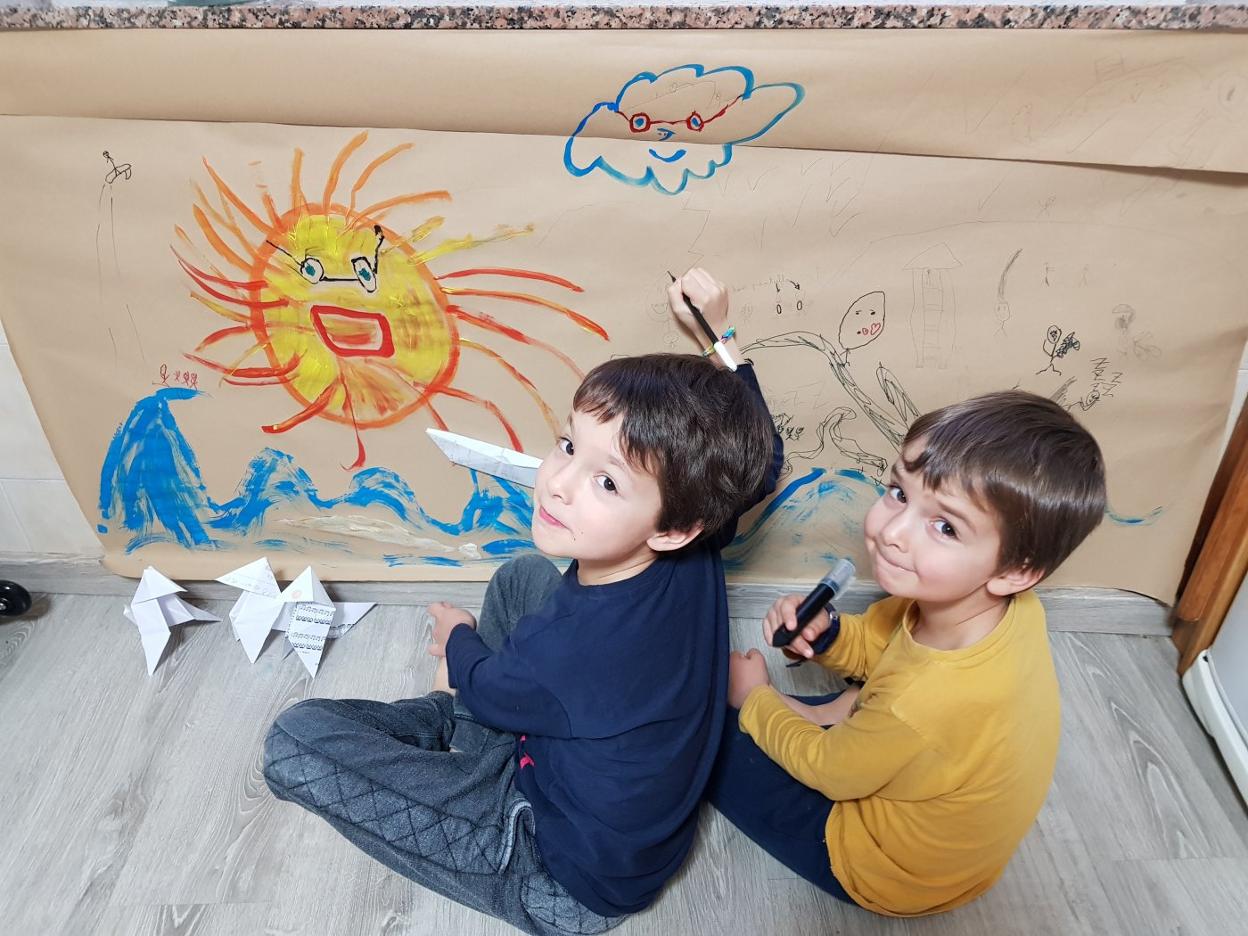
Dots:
{"x": 574, "y": 14}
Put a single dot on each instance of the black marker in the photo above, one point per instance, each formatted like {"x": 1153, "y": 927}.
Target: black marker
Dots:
{"x": 710, "y": 332}
{"x": 820, "y": 597}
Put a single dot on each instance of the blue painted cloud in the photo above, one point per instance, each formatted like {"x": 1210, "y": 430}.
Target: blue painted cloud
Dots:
{"x": 664, "y": 129}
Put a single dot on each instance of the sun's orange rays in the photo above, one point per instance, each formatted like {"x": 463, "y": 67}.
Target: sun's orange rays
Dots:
{"x": 404, "y": 243}
{"x": 209, "y": 232}
{"x": 370, "y": 169}
{"x": 304, "y": 414}
{"x": 200, "y": 276}
{"x": 490, "y": 407}
{"x": 342, "y": 303}
{"x": 481, "y": 320}
{"x": 588, "y": 324}
{"x": 223, "y": 220}
{"x": 359, "y": 443}
{"x": 370, "y": 215}
{"x": 524, "y": 381}
{"x": 270, "y": 208}
{"x": 203, "y": 279}
{"x": 465, "y": 243}
{"x": 220, "y": 309}
{"x": 298, "y": 201}
{"x": 518, "y": 274}
{"x": 331, "y": 182}
{"x": 228, "y": 193}
{"x": 249, "y": 373}
{"x": 222, "y": 334}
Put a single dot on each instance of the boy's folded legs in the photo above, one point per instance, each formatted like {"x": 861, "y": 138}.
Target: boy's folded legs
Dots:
{"x": 384, "y": 775}
{"x": 780, "y": 814}
{"x": 520, "y": 586}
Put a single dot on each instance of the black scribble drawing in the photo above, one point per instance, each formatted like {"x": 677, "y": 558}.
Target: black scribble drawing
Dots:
{"x": 1129, "y": 343}
{"x": 933, "y": 316}
{"x": 862, "y": 323}
{"x": 1003, "y": 306}
{"x": 794, "y": 301}
{"x": 1103, "y": 384}
{"x": 829, "y": 430}
{"x": 1057, "y": 345}
{"x": 115, "y": 172}
{"x": 786, "y": 428}
{"x": 1058, "y": 396}
{"x": 896, "y": 395}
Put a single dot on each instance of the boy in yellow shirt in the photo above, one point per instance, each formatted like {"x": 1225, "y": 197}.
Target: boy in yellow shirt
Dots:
{"x": 908, "y": 795}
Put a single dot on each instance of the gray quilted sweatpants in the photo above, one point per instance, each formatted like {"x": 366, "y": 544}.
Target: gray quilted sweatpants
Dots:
{"x": 430, "y": 792}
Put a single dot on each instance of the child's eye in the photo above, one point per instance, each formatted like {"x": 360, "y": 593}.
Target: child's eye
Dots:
{"x": 607, "y": 484}
{"x": 945, "y": 528}
{"x": 564, "y": 444}
{"x": 896, "y": 493}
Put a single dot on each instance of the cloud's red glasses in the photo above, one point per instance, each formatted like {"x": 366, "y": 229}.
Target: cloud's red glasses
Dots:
{"x": 640, "y": 122}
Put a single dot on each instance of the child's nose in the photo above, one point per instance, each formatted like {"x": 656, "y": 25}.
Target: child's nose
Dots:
{"x": 895, "y": 531}
{"x": 558, "y": 483}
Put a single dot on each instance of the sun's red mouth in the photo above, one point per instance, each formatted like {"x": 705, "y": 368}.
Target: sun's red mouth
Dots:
{"x": 353, "y": 333}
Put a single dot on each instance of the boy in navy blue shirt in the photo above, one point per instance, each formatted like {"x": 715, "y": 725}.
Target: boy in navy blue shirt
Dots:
{"x": 559, "y": 791}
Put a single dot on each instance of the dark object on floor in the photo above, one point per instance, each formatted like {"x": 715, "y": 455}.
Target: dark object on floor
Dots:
{"x": 14, "y": 599}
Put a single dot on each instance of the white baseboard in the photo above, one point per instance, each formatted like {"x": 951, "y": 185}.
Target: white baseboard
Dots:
{"x": 1200, "y": 682}
{"x": 1082, "y": 610}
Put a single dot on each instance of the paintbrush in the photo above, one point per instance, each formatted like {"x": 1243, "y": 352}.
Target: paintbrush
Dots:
{"x": 706, "y": 328}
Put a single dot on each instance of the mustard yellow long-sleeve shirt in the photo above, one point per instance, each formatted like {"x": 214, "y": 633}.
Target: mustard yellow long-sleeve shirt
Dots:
{"x": 942, "y": 766}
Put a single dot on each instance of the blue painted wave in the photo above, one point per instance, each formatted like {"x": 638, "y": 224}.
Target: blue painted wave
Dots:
{"x": 813, "y": 505}
{"x": 151, "y": 486}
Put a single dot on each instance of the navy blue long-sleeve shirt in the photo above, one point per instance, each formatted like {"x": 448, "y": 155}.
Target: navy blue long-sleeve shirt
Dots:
{"x": 618, "y": 694}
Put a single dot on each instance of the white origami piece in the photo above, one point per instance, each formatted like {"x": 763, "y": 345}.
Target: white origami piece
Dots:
{"x": 485, "y": 456}
{"x": 302, "y": 609}
{"x": 257, "y": 607}
{"x": 156, "y": 608}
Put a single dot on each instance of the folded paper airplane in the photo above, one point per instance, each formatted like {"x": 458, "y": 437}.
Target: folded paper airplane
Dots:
{"x": 483, "y": 456}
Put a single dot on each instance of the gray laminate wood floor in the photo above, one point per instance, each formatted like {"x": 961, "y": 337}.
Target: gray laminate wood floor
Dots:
{"x": 134, "y": 805}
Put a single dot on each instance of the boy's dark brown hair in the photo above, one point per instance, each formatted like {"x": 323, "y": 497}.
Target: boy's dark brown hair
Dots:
{"x": 1024, "y": 459}
{"x": 700, "y": 431}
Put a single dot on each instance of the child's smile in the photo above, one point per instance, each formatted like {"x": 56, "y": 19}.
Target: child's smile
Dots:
{"x": 938, "y": 547}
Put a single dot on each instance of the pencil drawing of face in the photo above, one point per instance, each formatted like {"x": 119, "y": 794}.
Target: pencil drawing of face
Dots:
{"x": 863, "y": 321}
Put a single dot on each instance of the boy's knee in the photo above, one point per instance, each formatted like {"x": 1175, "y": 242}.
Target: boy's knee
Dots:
{"x": 526, "y": 567}
{"x": 525, "y": 572}
{"x": 291, "y": 737}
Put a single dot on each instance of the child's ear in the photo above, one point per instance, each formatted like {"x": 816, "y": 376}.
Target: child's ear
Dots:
{"x": 1013, "y": 581}
{"x": 674, "y": 539}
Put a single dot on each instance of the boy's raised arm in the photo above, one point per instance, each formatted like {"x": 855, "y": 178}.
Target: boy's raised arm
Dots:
{"x": 711, "y": 298}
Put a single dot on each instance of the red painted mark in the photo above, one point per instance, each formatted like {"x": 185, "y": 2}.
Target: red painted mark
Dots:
{"x": 187, "y": 378}
{"x": 355, "y": 333}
